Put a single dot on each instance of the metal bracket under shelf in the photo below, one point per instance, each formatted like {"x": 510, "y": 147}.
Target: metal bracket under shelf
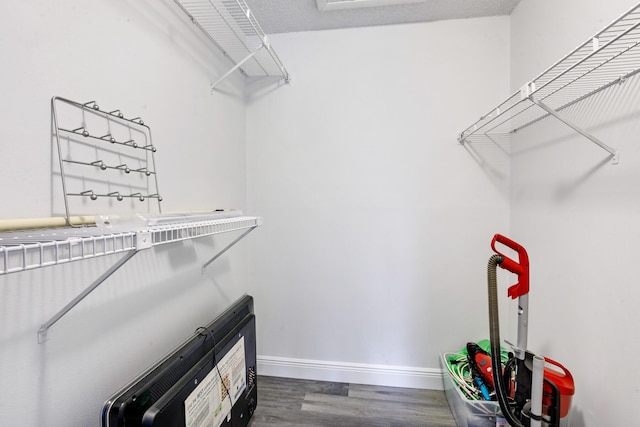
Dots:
{"x": 265, "y": 45}
{"x": 42, "y": 332}
{"x": 226, "y": 248}
{"x": 235, "y": 67}
{"x": 615, "y": 158}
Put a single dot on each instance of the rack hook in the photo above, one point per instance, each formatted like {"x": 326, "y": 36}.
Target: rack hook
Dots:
{"x": 117, "y": 195}
{"x": 138, "y": 120}
{"x": 116, "y": 113}
{"x": 82, "y": 131}
{"x": 92, "y": 104}
{"x": 140, "y": 196}
{"x": 132, "y": 143}
{"x": 124, "y": 168}
{"x": 109, "y": 138}
{"x": 145, "y": 170}
{"x": 90, "y": 193}
{"x": 100, "y": 164}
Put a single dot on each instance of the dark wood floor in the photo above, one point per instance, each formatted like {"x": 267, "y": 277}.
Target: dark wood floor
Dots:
{"x": 288, "y": 402}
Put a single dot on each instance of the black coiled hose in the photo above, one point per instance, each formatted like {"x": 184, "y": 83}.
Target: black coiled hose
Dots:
{"x": 494, "y": 337}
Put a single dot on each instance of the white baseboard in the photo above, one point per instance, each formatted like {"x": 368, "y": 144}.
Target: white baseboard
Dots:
{"x": 356, "y": 373}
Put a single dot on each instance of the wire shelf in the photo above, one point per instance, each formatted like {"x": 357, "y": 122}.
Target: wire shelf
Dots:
{"x": 609, "y": 58}
{"x": 22, "y": 253}
{"x": 178, "y": 232}
{"x": 27, "y": 250}
{"x": 233, "y": 28}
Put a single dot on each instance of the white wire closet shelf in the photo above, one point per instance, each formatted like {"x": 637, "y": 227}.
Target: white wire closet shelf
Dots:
{"x": 32, "y": 249}
{"x": 233, "y": 28}
{"x": 609, "y": 58}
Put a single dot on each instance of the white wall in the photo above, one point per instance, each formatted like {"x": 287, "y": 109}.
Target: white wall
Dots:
{"x": 143, "y": 58}
{"x": 371, "y": 260}
{"x": 578, "y": 216}
{"x": 372, "y": 257}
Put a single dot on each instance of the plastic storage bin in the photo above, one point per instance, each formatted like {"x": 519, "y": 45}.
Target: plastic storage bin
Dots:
{"x": 468, "y": 413}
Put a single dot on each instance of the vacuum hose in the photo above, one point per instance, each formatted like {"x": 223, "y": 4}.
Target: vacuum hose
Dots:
{"x": 494, "y": 337}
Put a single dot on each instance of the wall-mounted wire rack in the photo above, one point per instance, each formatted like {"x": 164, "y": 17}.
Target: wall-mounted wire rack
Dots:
{"x": 32, "y": 249}
{"x": 103, "y": 155}
{"x": 608, "y": 58}
{"x": 233, "y": 28}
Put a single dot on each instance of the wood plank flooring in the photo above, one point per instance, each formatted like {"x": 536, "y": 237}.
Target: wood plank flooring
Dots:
{"x": 288, "y": 402}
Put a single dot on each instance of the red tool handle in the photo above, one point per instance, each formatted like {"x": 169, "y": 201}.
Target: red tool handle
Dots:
{"x": 521, "y": 268}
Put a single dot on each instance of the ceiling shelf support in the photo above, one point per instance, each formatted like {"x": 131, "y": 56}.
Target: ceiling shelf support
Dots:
{"x": 613, "y": 152}
{"x": 42, "y": 332}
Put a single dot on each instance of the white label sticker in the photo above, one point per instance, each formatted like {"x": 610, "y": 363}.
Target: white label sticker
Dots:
{"x": 211, "y": 401}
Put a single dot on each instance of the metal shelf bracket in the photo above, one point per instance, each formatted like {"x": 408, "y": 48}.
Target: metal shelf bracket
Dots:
{"x": 615, "y": 158}
{"x": 235, "y": 67}
{"x": 42, "y": 332}
{"x": 226, "y": 248}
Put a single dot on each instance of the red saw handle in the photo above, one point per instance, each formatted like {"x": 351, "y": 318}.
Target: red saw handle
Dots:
{"x": 521, "y": 268}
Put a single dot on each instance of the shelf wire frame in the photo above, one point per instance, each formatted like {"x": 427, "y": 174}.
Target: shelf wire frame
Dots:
{"x": 21, "y": 253}
{"x": 608, "y": 58}
{"x": 28, "y": 249}
{"x": 233, "y": 29}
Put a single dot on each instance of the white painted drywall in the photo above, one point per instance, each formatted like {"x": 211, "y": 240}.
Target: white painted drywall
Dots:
{"x": 578, "y": 216}
{"x": 377, "y": 221}
{"x": 144, "y": 58}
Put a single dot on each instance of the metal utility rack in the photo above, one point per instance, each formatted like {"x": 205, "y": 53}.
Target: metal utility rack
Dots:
{"x": 608, "y": 58}
{"x": 103, "y": 154}
{"x": 98, "y": 236}
{"x": 233, "y": 28}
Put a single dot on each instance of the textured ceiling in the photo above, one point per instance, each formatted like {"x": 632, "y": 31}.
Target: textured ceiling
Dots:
{"x": 284, "y": 16}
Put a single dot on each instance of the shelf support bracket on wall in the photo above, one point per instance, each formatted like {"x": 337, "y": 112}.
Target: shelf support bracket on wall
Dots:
{"x": 42, "y": 332}
{"x": 226, "y": 248}
{"x": 235, "y": 67}
{"x": 614, "y": 153}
